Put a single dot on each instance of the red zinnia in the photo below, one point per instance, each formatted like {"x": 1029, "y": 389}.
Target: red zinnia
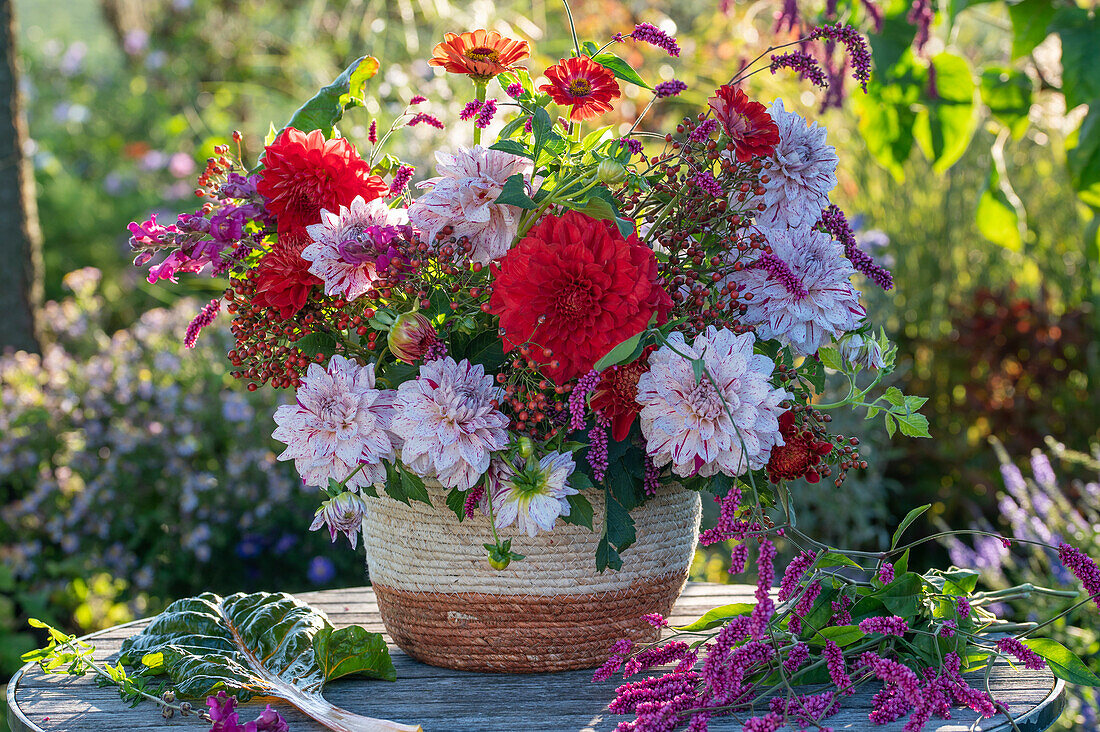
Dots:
{"x": 283, "y": 279}
{"x": 799, "y": 455}
{"x": 748, "y": 123}
{"x": 481, "y": 54}
{"x": 574, "y": 285}
{"x": 582, "y": 84}
{"x": 616, "y": 396}
{"x": 304, "y": 173}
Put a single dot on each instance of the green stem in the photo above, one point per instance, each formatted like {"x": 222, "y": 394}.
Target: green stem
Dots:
{"x": 572, "y": 27}
{"x": 479, "y": 94}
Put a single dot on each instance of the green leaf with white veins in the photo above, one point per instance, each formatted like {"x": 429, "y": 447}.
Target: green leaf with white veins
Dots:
{"x": 261, "y": 644}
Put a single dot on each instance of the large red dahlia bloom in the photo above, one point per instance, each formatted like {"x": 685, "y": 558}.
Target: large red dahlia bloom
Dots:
{"x": 616, "y": 396}
{"x": 748, "y": 123}
{"x": 574, "y": 285}
{"x": 283, "y": 279}
{"x": 800, "y": 454}
{"x": 582, "y": 84}
{"x": 304, "y": 173}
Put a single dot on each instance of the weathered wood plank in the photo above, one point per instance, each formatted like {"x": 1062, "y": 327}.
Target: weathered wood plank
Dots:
{"x": 456, "y": 701}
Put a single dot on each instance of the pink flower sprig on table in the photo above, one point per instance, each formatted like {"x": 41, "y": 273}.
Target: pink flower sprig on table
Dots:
{"x": 1029, "y": 658}
{"x": 838, "y": 670}
{"x": 892, "y": 625}
{"x": 765, "y": 578}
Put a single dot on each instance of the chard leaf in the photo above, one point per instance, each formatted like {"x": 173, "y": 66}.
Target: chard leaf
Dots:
{"x": 260, "y": 644}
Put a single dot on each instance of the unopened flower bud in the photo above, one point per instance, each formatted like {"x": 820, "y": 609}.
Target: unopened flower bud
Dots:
{"x": 342, "y": 514}
{"x": 526, "y": 447}
{"x": 411, "y": 336}
{"x": 610, "y": 172}
{"x": 862, "y": 351}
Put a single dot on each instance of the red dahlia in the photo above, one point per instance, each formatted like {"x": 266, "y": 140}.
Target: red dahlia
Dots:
{"x": 616, "y": 396}
{"x": 283, "y": 280}
{"x": 748, "y": 123}
{"x": 574, "y": 285}
{"x": 799, "y": 455}
{"x": 582, "y": 84}
{"x": 304, "y": 173}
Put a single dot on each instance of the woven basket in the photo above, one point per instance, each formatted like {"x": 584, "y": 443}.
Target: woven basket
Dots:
{"x": 444, "y": 605}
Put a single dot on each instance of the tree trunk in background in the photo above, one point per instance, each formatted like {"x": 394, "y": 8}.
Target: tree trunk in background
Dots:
{"x": 20, "y": 237}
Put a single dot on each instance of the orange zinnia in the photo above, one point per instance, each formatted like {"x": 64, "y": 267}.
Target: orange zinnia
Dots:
{"x": 482, "y": 54}
{"x": 582, "y": 84}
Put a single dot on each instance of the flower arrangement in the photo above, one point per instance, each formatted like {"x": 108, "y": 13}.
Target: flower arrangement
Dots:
{"x": 499, "y": 326}
{"x": 572, "y": 312}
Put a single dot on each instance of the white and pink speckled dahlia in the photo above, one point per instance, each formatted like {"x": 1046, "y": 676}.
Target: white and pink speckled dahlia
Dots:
{"x": 448, "y": 424}
{"x": 534, "y": 497}
{"x": 801, "y": 174}
{"x": 686, "y": 423}
{"x": 802, "y": 293}
{"x": 463, "y": 196}
{"x": 339, "y": 421}
{"x": 349, "y": 246}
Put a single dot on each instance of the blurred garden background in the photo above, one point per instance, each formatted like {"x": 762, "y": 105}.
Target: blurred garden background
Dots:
{"x": 133, "y": 471}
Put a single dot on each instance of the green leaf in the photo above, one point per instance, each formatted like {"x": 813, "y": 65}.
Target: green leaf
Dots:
{"x": 353, "y": 650}
{"x": 890, "y": 45}
{"x": 606, "y": 556}
{"x": 901, "y": 566}
{"x": 954, "y": 7}
{"x": 325, "y": 109}
{"x": 944, "y": 128}
{"x": 580, "y": 511}
{"x": 1063, "y": 662}
{"x": 1083, "y": 157}
{"x": 830, "y": 358}
{"x": 907, "y": 522}
{"x": 911, "y": 424}
{"x": 895, "y": 396}
{"x": 622, "y": 353}
{"x": 902, "y": 596}
{"x": 842, "y": 635}
{"x": 314, "y": 343}
{"x": 1007, "y": 93}
{"x": 1030, "y": 24}
{"x": 258, "y": 644}
{"x": 995, "y": 216}
{"x": 414, "y": 487}
{"x": 623, "y": 487}
{"x": 514, "y": 147}
{"x": 543, "y": 128}
{"x": 620, "y": 525}
{"x": 962, "y": 581}
{"x": 834, "y": 559}
{"x": 456, "y": 501}
{"x": 717, "y": 616}
{"x": 514, "y": 193}
{"x": 1080, "y": 59}
{"x": 620, "y": 68}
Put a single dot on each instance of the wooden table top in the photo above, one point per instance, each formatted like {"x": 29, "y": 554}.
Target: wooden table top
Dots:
{"x": 458, "y": 701}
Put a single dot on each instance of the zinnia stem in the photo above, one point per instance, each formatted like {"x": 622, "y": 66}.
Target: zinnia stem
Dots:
{"x": 479, "y": 94}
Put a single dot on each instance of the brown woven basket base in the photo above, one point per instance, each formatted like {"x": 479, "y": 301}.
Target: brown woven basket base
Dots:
{"x": 523, "y": 633}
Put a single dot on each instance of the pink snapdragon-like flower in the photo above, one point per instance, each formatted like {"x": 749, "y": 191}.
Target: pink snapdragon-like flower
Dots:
{"x": 339, "y": 421}
{"x": 349, "y": 246}
{"x": 464, "y": 195}
{"x": 801, "y": 174}
{"x": 825, "y": 305}
{"x": 447, "y": 422}
{"x": 687, "y": 422}
{"x": 533, "y": 497}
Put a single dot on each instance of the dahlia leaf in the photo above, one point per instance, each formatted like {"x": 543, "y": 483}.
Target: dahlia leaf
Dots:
{"x": 621, "y": 69}
{"x": 1063, "y": 662}
{"x": 606, "y": 556}
{"x": 619, "y": 524}
{"x": 514, "y": 193}
{"x": 456, "y": 501}
{"x": 912, "y": 424}
{"x": 260, "y": 644}
{"x": 894, "y": 396}
{"x": 326, "y": 107}
{"x": 512, "y": 147}
{"x": 907, "y": 522}
{"x": 623, "y": 353}
{"x": 542, "y": 127}
{"x": 830, "y": 358}
{"x": 580, "y": 511}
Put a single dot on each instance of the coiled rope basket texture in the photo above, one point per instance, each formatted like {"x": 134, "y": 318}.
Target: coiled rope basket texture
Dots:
{"x": 552, "y": 611}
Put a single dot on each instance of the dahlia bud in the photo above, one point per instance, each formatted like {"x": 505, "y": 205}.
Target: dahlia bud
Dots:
{"x": 342, "y": 514}
{"x": 610, "y": 172}
{"x": 862, "y": 351}
{"x": 411, "y": 336}
{"x": 526, "y": 447}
